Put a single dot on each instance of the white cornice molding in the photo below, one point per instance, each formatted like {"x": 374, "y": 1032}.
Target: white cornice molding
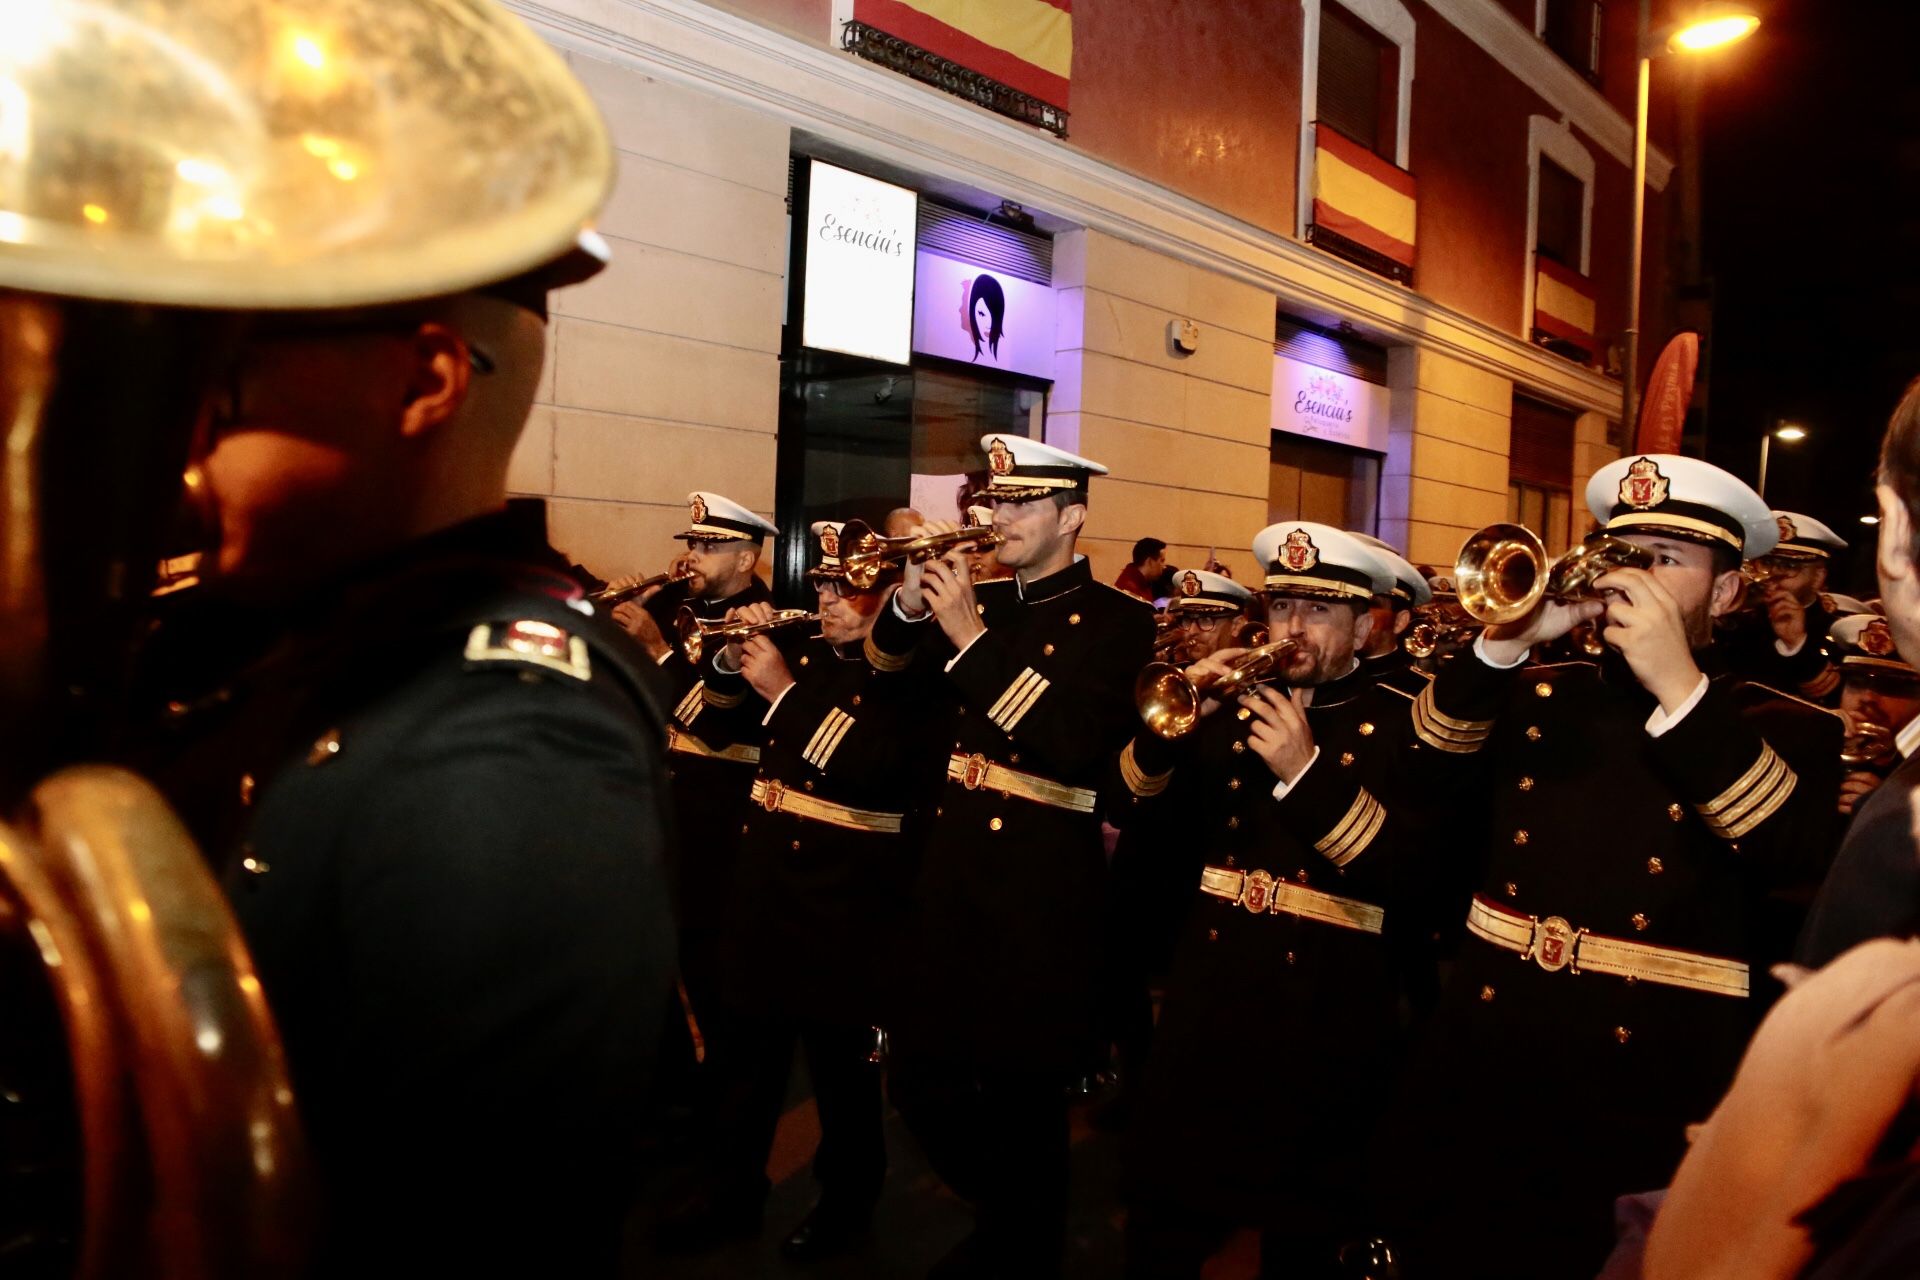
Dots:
{"x": 894, "y": 121}
{"x": 1488, "y": 24}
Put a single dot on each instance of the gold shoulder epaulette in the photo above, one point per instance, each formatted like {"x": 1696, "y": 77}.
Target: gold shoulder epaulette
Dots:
{"x": 529, "y": 643}
{"x": 1791, "y": 697}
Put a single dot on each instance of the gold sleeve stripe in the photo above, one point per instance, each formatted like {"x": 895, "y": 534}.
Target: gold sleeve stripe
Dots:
{"x": 1759, "y": 804}
{"x": 690, "y": 705}
{"x": 881, "y": 660}
{"x": 834, "y": 729}
{"x": 1018, "y": 711}
{"x": 1443, "y": 732}
{"x": 1021, "y": 683}
{"x": 1746, "y": 782}
{"x": 1354, "y": 832}
{"x": 721, "y": 700}
{"x": 1138, "y": 781}
{"x": 1823, "y": 684}
{"x": 821, "y": 732}
{"x": 1766, "y": 808}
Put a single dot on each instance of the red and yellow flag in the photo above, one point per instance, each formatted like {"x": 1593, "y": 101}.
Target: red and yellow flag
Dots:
{"x": 1024, "y": 44}
{"x": 1358, "y": 195}
{"x": 1563, "y": 303}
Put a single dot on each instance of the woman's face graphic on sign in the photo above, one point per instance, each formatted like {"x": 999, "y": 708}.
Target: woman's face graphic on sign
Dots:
{"x": 983, "y": 313}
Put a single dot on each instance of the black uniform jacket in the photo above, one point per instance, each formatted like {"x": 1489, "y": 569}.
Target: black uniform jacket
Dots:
{"x": 1280, "y": 1031}
{"x": 819, "y": 902}
{"x": 1396, "y": 669}
{"x": 1005, "y": 949}
{"x": 1667, "y": 841}
{"x": 1873, "y": 890}
{"x": 438, "y": 796}
{"x": 1811, "y": 673}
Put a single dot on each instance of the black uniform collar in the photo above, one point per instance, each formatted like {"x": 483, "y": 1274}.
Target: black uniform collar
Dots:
{"x": 1387, "y": 663}
{"x": 1344, "y": 689}
{"x": 1072, "y": 578}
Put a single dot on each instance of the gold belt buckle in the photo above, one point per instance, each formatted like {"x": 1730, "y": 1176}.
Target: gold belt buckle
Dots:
{"x": 974, "y": 775}
{"x": 770, "y": 799}
{"x": 1554, "y": 942}
{"x": 1256, "y": 892}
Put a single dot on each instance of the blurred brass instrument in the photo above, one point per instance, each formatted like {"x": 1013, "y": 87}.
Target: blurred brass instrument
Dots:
{"x": 865, "y": 555}
{"x": 1171, "y": 646}
{"x": 1169, "y": 701}
{"x": 696, "y": 633}
{"x": 1424, "y": 639}
{"x": 1502, "y": 573}
{"x": 1867, "y": 745}
{"x": 616, "y": 593}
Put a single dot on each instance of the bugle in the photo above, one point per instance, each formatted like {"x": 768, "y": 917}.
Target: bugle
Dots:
{"x": 619, "y": 593}
{"x": 1169, "y": 700}
{"x": 1502, "y": 573}
{"x": 866, "y": 555}
{"x": 696, "y": 633}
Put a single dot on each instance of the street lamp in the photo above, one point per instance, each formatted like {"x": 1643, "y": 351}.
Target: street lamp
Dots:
{"x": 1712, "y": 26}
{"x": 1786, "y": 433}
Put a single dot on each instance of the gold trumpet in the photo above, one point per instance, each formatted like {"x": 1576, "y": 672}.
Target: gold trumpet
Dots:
{"x": 1424, "y": 639}
{"x": 614, "y": 593}
{"x": 1502, "y": 573}
{"x": 1866, "y": 745}
{"x": 868, "y": 555}
{"x": 696, "y": 633}
{"x": 1169, "y": 700}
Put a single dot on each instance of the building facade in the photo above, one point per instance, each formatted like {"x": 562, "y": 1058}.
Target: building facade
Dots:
{"x": 1360, "y": 262}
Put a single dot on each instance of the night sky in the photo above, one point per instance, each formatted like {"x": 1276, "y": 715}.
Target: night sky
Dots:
{"x": 1811, "y": 235}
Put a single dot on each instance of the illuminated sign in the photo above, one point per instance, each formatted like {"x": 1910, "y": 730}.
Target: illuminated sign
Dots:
{"x": 860, "y": 259}
{"x": 1311, "y": 401}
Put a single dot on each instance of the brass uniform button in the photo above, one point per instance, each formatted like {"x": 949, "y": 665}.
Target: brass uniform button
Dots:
{"x": 1073, "y": 619}
{"x": 1243, "y": 714}
{"x": 1526, "y": 784}
{"x": 1233, "y": 784}
{"x": 994, "y": 824}
{"x": 1366, "y": 728}
{"x": 253, "y": 866}
{"x": 1543, "y": 690}
{"x": 1238, "y": 747}
{"x": 325, "y": 749}
{"x": 1533, "y": 733}
{"x": 1521, "y": 837}
{"x": 1655, "y": 866}
{"x": 1640, "y": 921}
{"x": 246, "y": 788}
{"x": 1233, "y": 823}
{"x": 856, "y": 699}
{"x": 1014, "y": 758}
{"x": 1230, "y": 864}
{"x": 1301, "y": 875}
{"x": 1291, "y": 958}
{"x": 743, "y": 828}
{"x": 1346, "y": 758}
{"x": 1513, "y": 890}
{"x": 803, "y": 659}
{"x": 808, "y": 785}
{"x": 939, "y": 811}
{"x": 1213, "y": 935}
{"x": 979, "y": 608}
{"x": 1047, "y": 649}
{"x": 1486, "y": 995}
{"x": 1675, "y": 812}
{"x": 796, "y": 846}
{"x": 1622, "y": 1034}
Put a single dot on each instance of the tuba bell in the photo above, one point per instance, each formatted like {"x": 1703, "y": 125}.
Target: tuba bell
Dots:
{"x": 1169, "y": 700}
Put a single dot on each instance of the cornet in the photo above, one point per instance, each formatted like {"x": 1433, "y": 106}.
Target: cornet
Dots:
{"x": 696, "y": 633}
{"x": 1866, "y": 746}
{"x": 613, "y": 594}
{"x": 1503, "y": 574}
{"x": 867, "y": 555}
{"x": 1169, "y": 702}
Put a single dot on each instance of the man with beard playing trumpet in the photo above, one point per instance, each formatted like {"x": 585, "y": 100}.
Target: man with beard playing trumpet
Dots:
{"x": 1276, "y": 1043}
{"x": 1640, "y": 805}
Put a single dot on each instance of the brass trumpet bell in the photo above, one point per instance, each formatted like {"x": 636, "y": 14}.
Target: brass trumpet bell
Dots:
{"x": 1502, "y": 573}
{"x": 1169, "y": 701}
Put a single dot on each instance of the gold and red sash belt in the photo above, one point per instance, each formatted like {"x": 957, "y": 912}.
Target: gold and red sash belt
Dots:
{"x": 688, "y": 745}
{"x": 977, "y": 773}
{"x": 773, "y": 795}
{"x": 1553, "y": 944}
{"x": 1261, "y": 894}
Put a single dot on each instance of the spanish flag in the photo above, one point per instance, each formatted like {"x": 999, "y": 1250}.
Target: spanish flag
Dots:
{"x": 1024, "y": 44}
{"x": 1361, "y": 197}
{"x": 1563, "y": 304}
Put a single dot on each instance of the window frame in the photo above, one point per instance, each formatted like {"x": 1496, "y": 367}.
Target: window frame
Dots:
{"x": 1394, "y": 23}
{"x": 1554, "y": 140}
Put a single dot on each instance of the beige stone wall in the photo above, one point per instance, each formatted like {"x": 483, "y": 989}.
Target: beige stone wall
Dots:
{"x": 1185, "y": 437}
{"x": 1446, "y": 469}
{"x": 662, "y": 372}
{"x": 1590, "y": 453}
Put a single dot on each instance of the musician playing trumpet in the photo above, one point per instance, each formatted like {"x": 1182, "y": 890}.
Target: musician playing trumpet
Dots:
{"x": 1640, "y": 805}
{"x": 1277, "y": 1038}
{"x": 1782, "y": 646}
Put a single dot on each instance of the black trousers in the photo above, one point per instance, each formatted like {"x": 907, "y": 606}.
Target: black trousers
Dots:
{"x": 998, "y": 1139}
{"x": 756, "y": 1060}
{"x": 1166, "y": 1242}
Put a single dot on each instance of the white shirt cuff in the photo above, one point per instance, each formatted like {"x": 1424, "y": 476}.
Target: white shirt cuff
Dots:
{"x": 1480, "y": 652}
{"x": 1780, "y": 647}
{"x": 903, "y": 615}
{"x": 1659, "y": 722}
{"x": 661, "y": 661}
{"x": 768, "y": 718}
{"x": 963, "y": 649}
{"x": 1281, "y": 788}
{"x": 722, "y": 667}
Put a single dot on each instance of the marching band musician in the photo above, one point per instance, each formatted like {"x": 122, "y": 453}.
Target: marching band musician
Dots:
{"x": 1004, "y": 950}
{"x": 1639, "y": 802}
{"x": 1879, "y": 696}
{"x": 1155, "y": 865}
{"x": 1385, "y": 655}
{"x": 1782, "y": 648}
{"x": 1279, "y": 1032}
{"x": 1873, "y": 889}
{"x": 820, "y": 886}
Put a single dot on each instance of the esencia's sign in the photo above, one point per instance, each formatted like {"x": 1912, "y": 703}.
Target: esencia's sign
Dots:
{"x": 1316, "y": 402}
{"x": 860, "y": 258}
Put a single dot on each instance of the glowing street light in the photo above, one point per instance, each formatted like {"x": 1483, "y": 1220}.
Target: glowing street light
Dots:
{"x": 1712, "y": 27}
{"x": 1786, "y": 433}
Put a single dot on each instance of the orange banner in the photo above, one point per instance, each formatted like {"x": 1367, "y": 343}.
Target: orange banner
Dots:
{"x": 1663, "y": 409}
{"x": 1363, "y": 198}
